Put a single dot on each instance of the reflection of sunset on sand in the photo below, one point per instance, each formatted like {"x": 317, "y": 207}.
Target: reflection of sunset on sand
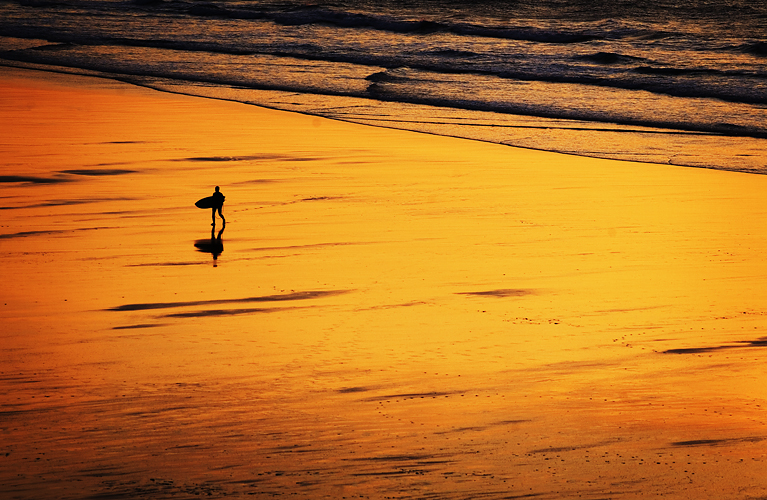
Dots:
{"x": 396, "y": 315}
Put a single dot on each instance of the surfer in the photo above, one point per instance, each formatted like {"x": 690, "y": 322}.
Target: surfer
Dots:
{"x": 217, "y": 204}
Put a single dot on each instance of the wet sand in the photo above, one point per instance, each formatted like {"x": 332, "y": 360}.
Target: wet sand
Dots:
{"x": 388, "y": 315}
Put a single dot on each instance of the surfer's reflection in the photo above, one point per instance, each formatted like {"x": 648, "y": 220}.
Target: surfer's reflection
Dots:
{"x": 214, "y": 245}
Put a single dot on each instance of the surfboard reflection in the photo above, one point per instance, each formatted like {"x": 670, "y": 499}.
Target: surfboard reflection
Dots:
{"x": 213, "y": 245}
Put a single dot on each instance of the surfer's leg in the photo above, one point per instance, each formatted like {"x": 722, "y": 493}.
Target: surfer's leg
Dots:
{"x": 213, "y": 216}
{"x": 221, "y": 214}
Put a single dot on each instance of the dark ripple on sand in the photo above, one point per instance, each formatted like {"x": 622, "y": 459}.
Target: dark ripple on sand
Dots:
{"x": 718, "y": 442}
{"x": 24, "y": 234}
{"x": 266, "y": 298}
{"x": 64, "y": 203}
{"x": 742, "y": 344}
{"x": 138, "y": 326}
{"x": 224, "y": 312}
{"x": 26, "y": 179}
{"x": 504, "y": 292}
{"x": 98, "y": 172}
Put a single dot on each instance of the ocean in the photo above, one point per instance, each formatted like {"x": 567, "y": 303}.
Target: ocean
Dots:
{"x": 680, "y": 82}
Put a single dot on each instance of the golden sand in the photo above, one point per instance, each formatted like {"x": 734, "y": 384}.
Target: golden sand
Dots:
{"x": 390, "y": 314}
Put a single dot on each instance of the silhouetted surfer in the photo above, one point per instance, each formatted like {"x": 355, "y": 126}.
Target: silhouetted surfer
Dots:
{"x": 215, "y": 202}
{"x": 218, "y": 204}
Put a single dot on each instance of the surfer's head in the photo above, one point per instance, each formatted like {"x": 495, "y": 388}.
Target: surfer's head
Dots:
{"x": 217, "y": 189}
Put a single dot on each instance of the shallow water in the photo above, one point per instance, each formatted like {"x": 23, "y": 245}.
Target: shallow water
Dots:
{"x": 669, "y": 82}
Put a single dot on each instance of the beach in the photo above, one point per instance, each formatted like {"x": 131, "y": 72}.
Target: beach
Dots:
{"x": 385, "y": 314}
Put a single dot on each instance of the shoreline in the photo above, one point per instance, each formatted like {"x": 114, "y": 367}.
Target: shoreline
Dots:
{"x": 737, "y": 153}
{"x": 391, "y": 314}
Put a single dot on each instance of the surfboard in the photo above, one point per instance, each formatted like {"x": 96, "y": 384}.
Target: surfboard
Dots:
{"x": 206, "y": 202}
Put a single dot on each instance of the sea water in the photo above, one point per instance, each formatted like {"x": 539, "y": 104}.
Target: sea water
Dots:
{"x": 682, "y": 82}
